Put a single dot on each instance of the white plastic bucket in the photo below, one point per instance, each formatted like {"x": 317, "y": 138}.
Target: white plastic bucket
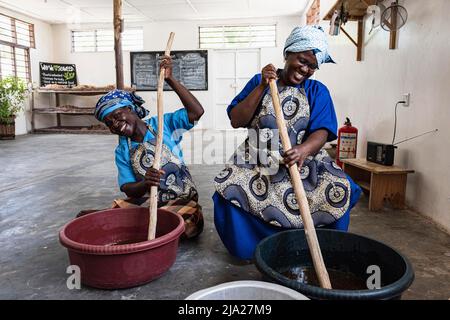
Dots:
{"x": 247, "y": 290}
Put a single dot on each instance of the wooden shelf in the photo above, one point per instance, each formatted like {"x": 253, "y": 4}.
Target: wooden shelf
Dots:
{"x": 79, "y": 91}
{"x": 69, "y": 110}
{"x": 57, "y": 109}
{"x": 73, "y": 130}
{"x": 356, "y": 9}
{"x": 363, "y": 184}
{"x": 375, "y": 167}
{"x": 74, "y": 91}
{"x": 381, "y": 182}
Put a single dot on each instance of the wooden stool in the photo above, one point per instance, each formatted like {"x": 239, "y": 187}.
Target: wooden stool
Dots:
{"x": 382, "y": 182}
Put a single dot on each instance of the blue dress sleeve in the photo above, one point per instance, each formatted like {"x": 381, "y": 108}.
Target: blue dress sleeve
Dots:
{"x": 176, "y": 123}
{"x": 323, "y": 115}
{"x": 251, "y": 84}
{"x": 123, "y": 163}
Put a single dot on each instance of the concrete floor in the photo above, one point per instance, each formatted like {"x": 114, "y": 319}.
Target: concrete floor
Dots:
{"x": 46, "y": 179}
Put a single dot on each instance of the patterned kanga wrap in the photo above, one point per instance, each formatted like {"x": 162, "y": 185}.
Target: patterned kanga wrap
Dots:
{"x": 176, "y": 183}
{"x": 258, "y": 183}
{"x": 177, "y": 191}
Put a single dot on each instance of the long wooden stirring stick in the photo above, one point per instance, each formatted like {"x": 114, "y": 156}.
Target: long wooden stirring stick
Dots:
{"x": 299, "y": 191}
{"x": 156, "y": 164}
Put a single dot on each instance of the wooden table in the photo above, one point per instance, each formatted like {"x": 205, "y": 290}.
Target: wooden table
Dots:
{"x": 381, "y": 182}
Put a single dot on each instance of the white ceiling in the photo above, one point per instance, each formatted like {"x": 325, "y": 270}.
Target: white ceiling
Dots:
{"x": 99, "y": 11}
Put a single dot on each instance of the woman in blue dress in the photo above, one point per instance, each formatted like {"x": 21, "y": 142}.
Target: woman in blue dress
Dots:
{"x": 125, "y": 116}
{"x": 254, "y": 197}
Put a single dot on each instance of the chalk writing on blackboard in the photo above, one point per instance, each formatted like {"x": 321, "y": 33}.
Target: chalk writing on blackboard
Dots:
{"x": 56, "y": 73}
{"x": 189, "y": 67}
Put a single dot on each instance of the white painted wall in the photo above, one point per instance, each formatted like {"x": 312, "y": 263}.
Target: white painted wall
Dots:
{"x": 367, "y": 92}
{"x": 43, "y": 52}
{"x": 99, "y": 68}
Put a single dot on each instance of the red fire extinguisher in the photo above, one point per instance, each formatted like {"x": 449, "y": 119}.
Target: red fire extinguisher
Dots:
{"x": 347, "y": 142}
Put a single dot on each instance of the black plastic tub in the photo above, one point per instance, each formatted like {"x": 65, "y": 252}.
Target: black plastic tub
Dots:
{"x": 342, "y": 251}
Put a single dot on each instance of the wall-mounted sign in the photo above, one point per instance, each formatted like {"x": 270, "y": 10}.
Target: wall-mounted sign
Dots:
{"x": 57, "y": 73}
{"x": 189, "y": 67}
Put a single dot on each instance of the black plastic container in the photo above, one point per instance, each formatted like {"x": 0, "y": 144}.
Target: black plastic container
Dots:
{"x": 343, "y": 251}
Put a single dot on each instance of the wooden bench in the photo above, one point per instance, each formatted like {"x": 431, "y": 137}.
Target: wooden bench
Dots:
{"x": 381, "y": 182}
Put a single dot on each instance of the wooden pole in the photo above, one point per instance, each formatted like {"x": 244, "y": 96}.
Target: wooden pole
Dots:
{"x": 393, "y": 33}
{"x": 118, "y": 29}
{"x": 153, "y": 210}
{"x": 300, "y": 194}
{"x": 360, "y": 39}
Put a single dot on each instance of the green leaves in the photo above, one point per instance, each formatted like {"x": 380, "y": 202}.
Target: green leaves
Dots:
{"x": 13, "y": 92}
{"x": 69, "y": 75}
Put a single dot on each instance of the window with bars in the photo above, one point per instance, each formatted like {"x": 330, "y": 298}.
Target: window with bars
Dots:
{"x": 237, "y": 36}
{"x": 103, "y": 40}
{"x": 16, "y": 39}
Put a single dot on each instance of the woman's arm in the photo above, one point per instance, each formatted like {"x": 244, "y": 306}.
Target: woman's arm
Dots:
{"x": 322, "y": 125}
{"x": 140, "y": 188}
{"x": 243, "y": 112}
{"x": 193, "y": 107}
{"x": 134, "y": 189}
{"x": 310, "y": 147}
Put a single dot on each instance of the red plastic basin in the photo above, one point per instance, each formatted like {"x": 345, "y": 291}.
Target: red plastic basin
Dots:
{"x": 112, "y": 250}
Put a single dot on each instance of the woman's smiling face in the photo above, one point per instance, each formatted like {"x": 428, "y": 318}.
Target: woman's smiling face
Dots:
{"x": 121, "y": 121}
{"x": 299, "y": 66}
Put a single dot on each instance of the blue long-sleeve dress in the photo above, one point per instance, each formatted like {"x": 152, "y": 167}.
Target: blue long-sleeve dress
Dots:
{"x": 254, "y": 197}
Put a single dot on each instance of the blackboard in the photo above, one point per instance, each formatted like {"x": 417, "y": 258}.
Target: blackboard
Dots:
{"x": 57, "y": 73}
{"x": 190, "y": 68}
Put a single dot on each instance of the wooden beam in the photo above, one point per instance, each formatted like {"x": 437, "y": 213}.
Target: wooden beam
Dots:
{"x": 331, "y": 11}
{"x": 313, "y": 14}
{"x": 393, "y": 27}
{"x": 360, "y": 42}
{"x": 349, "y": 36}
{"x": 360, "y": 39}
{"x": 118, "y": 28}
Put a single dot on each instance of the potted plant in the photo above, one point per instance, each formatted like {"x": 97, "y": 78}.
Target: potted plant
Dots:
{"x": 13, "y": 92}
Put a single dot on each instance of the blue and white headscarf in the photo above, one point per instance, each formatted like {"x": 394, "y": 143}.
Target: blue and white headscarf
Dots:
{"x": 309, "y": 38}
{"x": 116, "y": 99}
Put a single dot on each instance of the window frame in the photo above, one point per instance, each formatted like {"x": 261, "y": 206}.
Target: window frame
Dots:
{"x": 95, "y": 35}
{"x": 249, "y": 25}
{"x": 15, "y": 45}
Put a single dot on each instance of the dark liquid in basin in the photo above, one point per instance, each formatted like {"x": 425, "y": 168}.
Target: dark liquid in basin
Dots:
{"x": 339, "y": 280}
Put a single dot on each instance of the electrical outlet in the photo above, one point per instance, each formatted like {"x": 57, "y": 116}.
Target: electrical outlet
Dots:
{"x": 406, "y": 98}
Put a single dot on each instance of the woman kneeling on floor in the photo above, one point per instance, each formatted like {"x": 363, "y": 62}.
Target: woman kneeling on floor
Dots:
{"x": 254, "y": 195}
{"x": 124, "y": 115}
